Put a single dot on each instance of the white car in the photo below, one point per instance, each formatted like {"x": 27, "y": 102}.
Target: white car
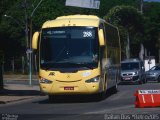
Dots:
{"x": 153, "y": 74}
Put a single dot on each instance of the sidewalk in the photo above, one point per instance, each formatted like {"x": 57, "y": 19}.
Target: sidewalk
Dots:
{"x": 19, "y": 77}
{"x": 18, "y": 92}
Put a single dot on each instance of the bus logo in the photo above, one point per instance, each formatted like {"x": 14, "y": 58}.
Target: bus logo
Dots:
{"x": 68, "y": 76}
{"x": 51, "y": 74}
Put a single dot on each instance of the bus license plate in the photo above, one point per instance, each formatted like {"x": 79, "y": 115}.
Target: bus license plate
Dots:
{"x": 68, "y": 88}
{"x": 127, "y": 78}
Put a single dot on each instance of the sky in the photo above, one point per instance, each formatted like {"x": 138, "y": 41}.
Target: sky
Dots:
{"x": 152, "y": 0}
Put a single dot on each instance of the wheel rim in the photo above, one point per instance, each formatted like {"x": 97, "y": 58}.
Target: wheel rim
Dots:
{"x": 116, "y": 86}
{"x": 159, "y": 79}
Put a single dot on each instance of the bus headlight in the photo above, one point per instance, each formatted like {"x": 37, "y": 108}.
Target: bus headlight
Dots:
{"x": 45, "y": 81}
{"x": 92, "y": 80}
{"x": 135, "y": 73}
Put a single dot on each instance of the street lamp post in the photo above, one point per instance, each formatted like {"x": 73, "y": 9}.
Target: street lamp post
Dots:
{"x": 30, "y": 44}
{"x": 28, "y": 38}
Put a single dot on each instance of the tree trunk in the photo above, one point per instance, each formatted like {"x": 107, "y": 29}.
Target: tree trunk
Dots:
{"x": 128, "y": 46}
{"x": 23, "y": 64}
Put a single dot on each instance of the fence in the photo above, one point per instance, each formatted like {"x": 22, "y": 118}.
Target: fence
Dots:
{"x": 18, "y": 65}
{"x": 1, "y": 77}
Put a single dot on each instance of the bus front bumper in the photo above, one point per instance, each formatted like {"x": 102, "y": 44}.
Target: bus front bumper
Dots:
{"x": 130, "y": 79}
{"x": 66, "y": 88}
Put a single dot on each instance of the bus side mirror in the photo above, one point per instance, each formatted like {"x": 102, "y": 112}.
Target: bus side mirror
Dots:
{"x": 35, "y": 40}
{"x": 101, "y": 37}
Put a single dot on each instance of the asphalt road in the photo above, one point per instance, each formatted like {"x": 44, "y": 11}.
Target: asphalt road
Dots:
{"x": 24, "y": 82}
{"x": 117, "y": 105}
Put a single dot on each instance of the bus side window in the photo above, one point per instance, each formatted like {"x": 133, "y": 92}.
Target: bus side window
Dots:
{"x": 102, "y": 26}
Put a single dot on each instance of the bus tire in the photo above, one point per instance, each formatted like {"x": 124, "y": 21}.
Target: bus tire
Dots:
{"x": 50, "y": 98}
{"x": 115, "y": 88}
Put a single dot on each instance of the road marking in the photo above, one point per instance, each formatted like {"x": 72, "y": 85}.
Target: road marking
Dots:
{"x": 143, "y": 99}
{"x": 152, "y": 98}
{"x": 110, "y": 109}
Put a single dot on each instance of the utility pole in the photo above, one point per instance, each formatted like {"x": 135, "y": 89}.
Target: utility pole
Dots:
{"x": 30, "y": 43}
{"x": 141, "y": 6}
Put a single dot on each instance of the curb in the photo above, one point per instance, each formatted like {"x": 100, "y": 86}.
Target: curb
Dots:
{"x": 5, "y": 102}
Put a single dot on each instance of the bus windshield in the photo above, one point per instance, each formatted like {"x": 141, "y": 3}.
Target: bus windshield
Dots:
{"x": 130, "y": 66}
{"x": 69, "y": 46}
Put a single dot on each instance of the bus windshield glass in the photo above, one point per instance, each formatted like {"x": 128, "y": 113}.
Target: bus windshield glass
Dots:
{"x": 130, "y": 66}
{"x": 66, "y": 46}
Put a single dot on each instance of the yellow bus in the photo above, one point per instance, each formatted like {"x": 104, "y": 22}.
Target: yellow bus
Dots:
{"x": 78, "y": 54}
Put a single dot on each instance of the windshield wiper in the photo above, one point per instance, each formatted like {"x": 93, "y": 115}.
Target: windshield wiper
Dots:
{"x": 85, "y": 64}
{"x": 80, "y": 64}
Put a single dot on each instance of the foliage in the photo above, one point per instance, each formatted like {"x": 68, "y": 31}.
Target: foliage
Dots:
{"x": 13, "y": 33}
{"x": 130, "y": 20}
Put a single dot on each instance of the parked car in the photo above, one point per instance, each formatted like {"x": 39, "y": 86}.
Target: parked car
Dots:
{"x": 153, "y": 74}
{"x": 132, "y": 70}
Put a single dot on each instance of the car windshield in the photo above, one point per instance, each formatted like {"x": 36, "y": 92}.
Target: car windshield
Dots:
{"x": 74, "y": 46}
{"x": 155, "y": 68}
{"x": 130, "y": 66}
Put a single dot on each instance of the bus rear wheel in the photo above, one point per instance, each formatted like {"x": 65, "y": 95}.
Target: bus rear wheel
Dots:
{"x": 51, "y": 98}
{"x": 115, "y": 88}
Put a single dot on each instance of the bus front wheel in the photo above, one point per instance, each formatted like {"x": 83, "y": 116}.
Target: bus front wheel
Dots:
{"x": 51, "y": 98}
{"x": 115, "y": 88}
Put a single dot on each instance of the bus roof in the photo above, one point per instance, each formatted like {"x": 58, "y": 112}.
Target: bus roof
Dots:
{"x": 73, "y": 20}
{"x": 78, "y": 16}
{"x": 131, "y": 60}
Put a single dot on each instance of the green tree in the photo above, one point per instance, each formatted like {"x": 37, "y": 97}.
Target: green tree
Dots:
{"x": 152, "y": 28}
{"x": 130, "y": 21}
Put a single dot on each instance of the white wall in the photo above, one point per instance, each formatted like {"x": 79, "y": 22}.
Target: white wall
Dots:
{"x": 147, "y": 65}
